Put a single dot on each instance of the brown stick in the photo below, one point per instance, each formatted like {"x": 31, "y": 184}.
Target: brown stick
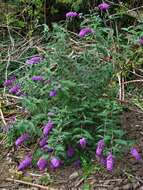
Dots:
{"x": 133, "y": 81}
{"x": 2, "y": 117}
{"x": 28, "y": 183}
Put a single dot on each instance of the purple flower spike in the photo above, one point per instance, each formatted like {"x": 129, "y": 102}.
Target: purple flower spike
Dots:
{"x": 9, "y": 82}
{"x": 35, "y": 59}
{"x": 42, "y": 164}
{"x": 110, "y": 162}
{"x": 53, "y": 93}
{"x": 84, "y": 32}
{"x": 71, "y": 14}
{"x": 135, "y": 154}
{"x": 55, "y": 162}
{"x": 37, "y": 78}
{"x": 82, "y": 143}
{"x": 100, "y": 147}
{"x": 70, "y": 152}
{"x": 43, "y": 141}
{"x": 22, "y": 139}
{"x": 15, "y": 89}
{"x": 141, "y": 40}
{"x": 47, "y": 128}
{"x": 25, "y": 163}
{"x": 103, "y": 6}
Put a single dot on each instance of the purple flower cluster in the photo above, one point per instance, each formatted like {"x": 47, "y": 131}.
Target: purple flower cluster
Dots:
{"x": 100, "y": 147}
{"x": 135, "y": 154}
{"x": 82, "y": 143}
{"x": 85, "y": 31}
{"x": 37, "y": 78}
{"x": 42, "y": 164}
{"x": 107, "y": 162}
{"x": 15, "y": 89}
{"x": 35, "y": 59}
{"x": 55, "y": 163}
{"x": 104, "y": 6}
{"x": 10, "y": 81}
{"x": 110, "y": 162}
{"x": 53, "y": 93}
{"x": 43, "y": 141}
{"x": 48, "y": 128}
{"x": 24, "y": 137}
{"x": 71, "y": 14}
{"x": 25, "y": 163}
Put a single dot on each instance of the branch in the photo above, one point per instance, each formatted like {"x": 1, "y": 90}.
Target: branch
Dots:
{"x": 29, "y": 184}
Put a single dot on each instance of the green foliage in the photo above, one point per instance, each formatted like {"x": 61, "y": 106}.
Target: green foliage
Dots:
{"x": 86, "y": 102}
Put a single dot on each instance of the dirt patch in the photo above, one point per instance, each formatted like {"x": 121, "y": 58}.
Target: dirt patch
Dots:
{"x": 127, "y": 175}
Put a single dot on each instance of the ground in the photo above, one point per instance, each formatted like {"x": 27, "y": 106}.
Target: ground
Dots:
{"x": 127, "y": 175}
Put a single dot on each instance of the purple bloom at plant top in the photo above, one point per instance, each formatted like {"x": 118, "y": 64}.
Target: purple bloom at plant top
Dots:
{"x": 141, "y": 40}
{"x": 110, "y": 162}
{"x": 9, "y": 82}
{"x": 85, "y": 31}
{"x": 22, "y": 139}
{"x": 53, "y": 93}
{"x": 55, "y": 162}
{"x": 37, "y": 78}
{"x": 43, "y": 141}
{"x": 100, "y": 147}
{"x": 103, "y": 6}
{"x": 34, "y": 60}
{"x": 47, "y": 128}
{"x": 135, "y": 154}
{"x": 42, "y": 164}
{"x": 15, "y": 89}
{"x": 71, "y": 14}
{"x": 70, "y": 151}
{"x": 25, "y": 163}
{"x": 82, "y": 142}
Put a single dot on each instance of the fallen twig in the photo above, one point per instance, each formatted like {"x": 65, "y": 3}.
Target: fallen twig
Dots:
{"x": 29, "y": 184}
{"x": 2, "y": 117}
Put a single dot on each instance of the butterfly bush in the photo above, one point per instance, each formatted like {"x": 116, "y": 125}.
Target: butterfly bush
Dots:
{"x": 110, "y": 162}
{"x": 15, "y": 89}
{"x": 9, "y": 82}
{"x": 135, "y": 154}
{"x": 100, "y": 147}
{"x": 48, "y": 128}
{"x": 53, "y": 93}
{"x": 42, "y": 164}
{"x": 43, "y": 141}
{"x": 55, "y": 163}
{"x": 25, "y": 163}
{"x": 35, "y": 59}
{"x": 85, "y": 31}
{"x": 22, "y": 139}
{"x": 82, "y": 143}
{"x": 104, "y": 6}
{"x": 37, "y": 78}
{"x": 71, "y": 14}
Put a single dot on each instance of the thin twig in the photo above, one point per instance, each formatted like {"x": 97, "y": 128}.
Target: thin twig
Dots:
{"x": 28, "y": 183}
{"x": 132, "y": 81}
{"x": 2, "y": 117}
